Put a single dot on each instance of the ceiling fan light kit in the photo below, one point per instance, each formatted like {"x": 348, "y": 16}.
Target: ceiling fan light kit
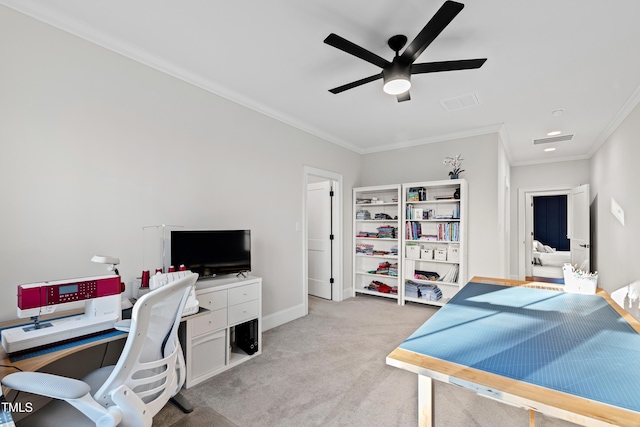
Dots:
{"x": 396, "y": 75}
{"x": 397, "y": 79}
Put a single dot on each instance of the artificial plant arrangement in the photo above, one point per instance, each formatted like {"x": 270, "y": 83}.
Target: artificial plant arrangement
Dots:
{"x": 456, "y": 165}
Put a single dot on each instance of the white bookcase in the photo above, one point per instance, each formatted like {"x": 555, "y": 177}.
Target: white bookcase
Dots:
{"x": 377, "y": 250}
{"x": 434, "y": 222}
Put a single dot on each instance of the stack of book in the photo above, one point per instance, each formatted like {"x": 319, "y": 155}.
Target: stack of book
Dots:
{"x": 363, "y": 214}
{"x": 429, "y": 292}
{"x": 364, "y": 249}
{"x": 386, "y": 269}
{"x": 386, "y": 232}
{"x": 381, "y": 287}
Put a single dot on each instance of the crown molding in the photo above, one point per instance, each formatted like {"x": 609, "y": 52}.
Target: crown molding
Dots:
{"x": 51, "y": 17}
{"x": 621, "y": 115}
{"x": 437, "y": 138}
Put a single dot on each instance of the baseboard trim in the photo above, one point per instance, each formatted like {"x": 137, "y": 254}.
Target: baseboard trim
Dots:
{"x": 282, "y": 317}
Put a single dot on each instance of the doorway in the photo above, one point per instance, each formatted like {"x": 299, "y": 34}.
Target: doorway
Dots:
{"x": 322, "y": 238}
{"x": 543, "y": 252}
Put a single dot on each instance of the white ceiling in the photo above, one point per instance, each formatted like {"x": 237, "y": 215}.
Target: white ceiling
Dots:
{"x": 577, "y": 55}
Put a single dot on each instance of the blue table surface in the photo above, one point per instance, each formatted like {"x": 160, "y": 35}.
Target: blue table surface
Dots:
{"x": 64, "y": 345}
{"x": 573, "y": 343}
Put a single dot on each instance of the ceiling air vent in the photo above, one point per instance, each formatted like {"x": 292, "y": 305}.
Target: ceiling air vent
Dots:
{"x": 460, "y": 102}
{"x": 559, "y": 138}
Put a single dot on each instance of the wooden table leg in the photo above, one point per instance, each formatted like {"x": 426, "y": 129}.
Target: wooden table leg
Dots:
{"x": 425, "y": 401}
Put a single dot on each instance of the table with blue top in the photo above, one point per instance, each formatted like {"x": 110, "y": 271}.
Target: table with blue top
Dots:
{"x": 570, "y": 356}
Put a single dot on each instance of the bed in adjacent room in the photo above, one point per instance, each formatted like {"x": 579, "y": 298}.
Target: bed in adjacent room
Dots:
{"x": 548, "y": 262}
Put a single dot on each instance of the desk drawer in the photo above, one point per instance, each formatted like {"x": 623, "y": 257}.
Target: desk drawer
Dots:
{"x": 242, "y": 312}
{"x": 213, "y": 300}
{"x": 243, "y": 294}
{"x": 210, "y": 322}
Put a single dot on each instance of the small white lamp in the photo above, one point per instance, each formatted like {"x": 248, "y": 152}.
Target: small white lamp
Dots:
{"x": 109, "y": 260}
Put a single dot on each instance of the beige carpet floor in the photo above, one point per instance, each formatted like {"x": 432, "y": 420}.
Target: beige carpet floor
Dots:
{"x": 328, "y": 369}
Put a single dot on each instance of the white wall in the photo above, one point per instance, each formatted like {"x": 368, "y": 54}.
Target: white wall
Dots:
{"x": 95, "y": 146}
{"x": 614, "y": 174}
{"x": 503, "y": 181}
{"x": 482, "y": 156}
{"x": 538, "y": 177}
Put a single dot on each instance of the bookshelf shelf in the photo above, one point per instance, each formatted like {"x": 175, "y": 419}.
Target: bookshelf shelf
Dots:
{"x": 427, "y": 242}
{"x": 378, "y": 294}
{"x": 438, "y": 303}
{"x": 376, "y": 238}
{"x": 382, "y": 276}
{"x": 378, "y": 256}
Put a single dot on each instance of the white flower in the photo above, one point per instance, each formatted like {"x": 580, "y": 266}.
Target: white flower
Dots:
{"x": 455, "y": 163}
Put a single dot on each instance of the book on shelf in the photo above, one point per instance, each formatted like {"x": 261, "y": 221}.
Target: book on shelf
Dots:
{"x": 449, "y": 231}
{"x": 413, "y": 230}
{"x": 452, "y": 274}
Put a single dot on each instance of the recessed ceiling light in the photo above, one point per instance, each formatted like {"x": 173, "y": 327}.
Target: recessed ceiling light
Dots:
{"x": 554, "y": 132}
{"x": 550, "y": 149}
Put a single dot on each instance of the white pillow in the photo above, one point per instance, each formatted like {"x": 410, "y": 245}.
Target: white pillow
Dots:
{"x": 535, "y": 246}
{"x": 548, "y": 249}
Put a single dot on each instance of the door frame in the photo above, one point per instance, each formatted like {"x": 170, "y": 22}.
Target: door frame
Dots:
{"x": 525, "y": 196}
{"x": 338, "y": 239}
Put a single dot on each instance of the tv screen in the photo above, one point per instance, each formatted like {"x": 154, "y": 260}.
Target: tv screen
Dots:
{"x": 212, "y": 252}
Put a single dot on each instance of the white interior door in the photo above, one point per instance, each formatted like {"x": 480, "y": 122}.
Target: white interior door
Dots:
{"x": 579, "y": 227}
{"x": 319, "y": 239}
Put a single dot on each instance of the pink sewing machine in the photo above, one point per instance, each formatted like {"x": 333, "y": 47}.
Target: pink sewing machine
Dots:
{"x": 100, "y": 297}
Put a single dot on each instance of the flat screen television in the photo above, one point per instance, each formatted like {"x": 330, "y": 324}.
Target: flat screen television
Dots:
{"x": 212, "y": 252}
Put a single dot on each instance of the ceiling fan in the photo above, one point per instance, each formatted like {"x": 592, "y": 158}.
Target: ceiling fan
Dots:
{"x": 397, "y": 73}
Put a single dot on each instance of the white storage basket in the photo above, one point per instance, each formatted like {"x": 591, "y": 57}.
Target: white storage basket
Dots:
{"x": 578, "y": 282}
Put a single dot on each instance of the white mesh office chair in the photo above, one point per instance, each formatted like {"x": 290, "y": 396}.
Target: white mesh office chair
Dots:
{"x": 148, "y": 373}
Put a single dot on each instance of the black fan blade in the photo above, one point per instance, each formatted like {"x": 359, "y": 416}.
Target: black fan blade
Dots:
{"x": 404, "y": 97}
{"x": 355, "y": 50}
{"x": 434, "y": 27}
{"x": 434, "y": 67}
{"x": 356, "y": 83}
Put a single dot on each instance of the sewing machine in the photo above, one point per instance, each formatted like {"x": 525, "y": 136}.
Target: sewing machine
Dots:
{"x": 99, "y": 295}
{"x": 161, "y": 279}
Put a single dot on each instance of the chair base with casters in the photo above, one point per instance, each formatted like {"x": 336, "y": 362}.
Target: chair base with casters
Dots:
{"x": 149, "y": 372}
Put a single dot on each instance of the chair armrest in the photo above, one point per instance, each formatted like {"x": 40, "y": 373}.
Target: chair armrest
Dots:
{"x": 48, "y": 385}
